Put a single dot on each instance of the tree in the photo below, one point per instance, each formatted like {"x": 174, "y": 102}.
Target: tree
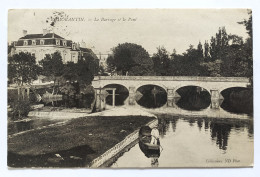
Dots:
{"x": 218, "y": 44}
{"x": 70, "y": 71}
{"x": 111, "y": 67}
{"x": 52, "y": 66}
{"x": 200, "y": 51}
{"x": 248, "y": 46}
{"x": 191, "y": 61}
{"x": 84, "y": 74}
{"x": 92, "y": 62}
{"x": 238, "y": 61}
{"x": 206, "y": 50}
{"x": 131, "y": 59}
{"x": 22, "y": 68}
{"x": 248, "y": 24}
{"x": 234, "y": 62}
{"x": 161, "y": 61}
{"x": 212, "y": 68}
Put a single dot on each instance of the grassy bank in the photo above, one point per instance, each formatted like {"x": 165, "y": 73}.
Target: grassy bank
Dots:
{"x": 76, "y": 143}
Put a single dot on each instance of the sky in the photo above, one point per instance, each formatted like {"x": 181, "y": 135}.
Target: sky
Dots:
{"x": 103, "y": 29}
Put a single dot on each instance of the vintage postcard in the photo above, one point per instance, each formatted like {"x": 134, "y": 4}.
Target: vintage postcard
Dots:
{"x": 130, "y": 88}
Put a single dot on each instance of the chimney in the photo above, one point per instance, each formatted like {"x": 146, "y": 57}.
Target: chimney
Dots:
{"x": 83, "y": 44}
{"x": 45, "y": 31}
{"x": 24, "y": 33}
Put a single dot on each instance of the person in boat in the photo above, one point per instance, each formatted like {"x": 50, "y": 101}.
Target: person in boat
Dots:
{"x": 154, "y": 135}
{"x": 154, "y": 162}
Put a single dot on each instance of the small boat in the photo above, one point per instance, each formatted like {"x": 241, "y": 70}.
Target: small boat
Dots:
{"x": 150, "y": 150}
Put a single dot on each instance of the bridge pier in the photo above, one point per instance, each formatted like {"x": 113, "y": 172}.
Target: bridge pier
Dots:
{"x": 172, "y": 94}
{"x": 131, "y": 95}
{"x": 172, "y": 103}
{"x": 172, "y": 97}
{"x": 101, "y": 95}
{"x": 216, "y": 99}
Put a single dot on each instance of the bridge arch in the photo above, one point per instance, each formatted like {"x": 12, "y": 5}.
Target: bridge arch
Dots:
{"x": 103, "y": 85}
{"x": 193, "y": 99}
{"x": 230, "y": 87}
{"x": 122, "y": 93}
{"x": 156, "y": 84}
{"x": 115, "y": 84}
{"x": 192, "y": 85}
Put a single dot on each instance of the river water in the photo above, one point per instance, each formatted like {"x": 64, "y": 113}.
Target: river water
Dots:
{"x": 185, "y": 141}
{"x": 189, "y": 141}
{"x": 196, "y": 142}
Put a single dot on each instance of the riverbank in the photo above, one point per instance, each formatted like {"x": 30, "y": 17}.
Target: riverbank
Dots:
{"x": 74, "y": 144}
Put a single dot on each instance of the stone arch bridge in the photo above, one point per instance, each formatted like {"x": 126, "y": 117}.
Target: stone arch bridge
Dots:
{"x": 214, "y": 85}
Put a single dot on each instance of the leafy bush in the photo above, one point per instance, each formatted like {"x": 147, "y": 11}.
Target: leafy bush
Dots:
{"x": 21, "y": 108}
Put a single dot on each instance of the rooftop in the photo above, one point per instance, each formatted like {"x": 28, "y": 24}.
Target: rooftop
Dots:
{"x": 48, "y": 35}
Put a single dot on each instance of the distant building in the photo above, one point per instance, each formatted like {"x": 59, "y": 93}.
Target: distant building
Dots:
{"x": 47, "y": 43}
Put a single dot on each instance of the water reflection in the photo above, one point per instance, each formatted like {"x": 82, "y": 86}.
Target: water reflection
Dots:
{"x": 152, "y": 96}
{"x": 149, "y": 144}
{"x": 238, "y": 100}
{"x": 193, "y": 98}
{"x": 81, "y": 101}
{"x": 220, "y": 134}
{"x": 189, "y": 141}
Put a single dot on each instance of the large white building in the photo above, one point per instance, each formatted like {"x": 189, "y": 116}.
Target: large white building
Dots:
{"x": 47, "y": 43}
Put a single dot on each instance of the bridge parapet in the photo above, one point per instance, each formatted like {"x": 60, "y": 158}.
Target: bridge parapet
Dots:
{"x": 174, "y": 78}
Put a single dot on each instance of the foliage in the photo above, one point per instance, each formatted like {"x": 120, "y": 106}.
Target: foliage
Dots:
{"x": 225, "y": 55}
{"x": 248, "y": 24}
{"x": 70, "y": 71}
{"x": 21, "y": 108}
{"x": 101, "y": 71}
{"x": 161, "y": 61}
{"x": 218, "y": 44}
{"x": 80, "y": 72}
{"x": 22, "y": 68}
{"x": 52, "y": 65}
{"x": 68, "y": 89}
{"x": 92, "y": 62}
{"x": 111, "y": 66}
{"x": 84, "y": 74}
{"x": 212, "y": 68}
{"x": 131, "y": 59}
{"x": 187, "y": 64}
{"x": 248, "y": 46}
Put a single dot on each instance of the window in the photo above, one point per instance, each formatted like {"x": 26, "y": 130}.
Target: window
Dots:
{"x": 73, "y": 47}
{"x": 33, "y": 42}
{"x": 57, "y": 42}
{"x": 42, "y": 42}
{"x": 64, "y": 43}
{"x": 25, "y": 42}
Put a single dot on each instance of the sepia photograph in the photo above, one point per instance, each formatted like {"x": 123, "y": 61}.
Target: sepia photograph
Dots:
{"x": 130, "y": 88}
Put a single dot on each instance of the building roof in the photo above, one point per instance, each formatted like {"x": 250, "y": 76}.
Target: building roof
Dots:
{"x": 34, "y": 36}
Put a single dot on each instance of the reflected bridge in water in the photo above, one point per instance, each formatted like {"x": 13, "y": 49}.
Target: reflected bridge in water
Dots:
{"x": 170, "y": 84}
